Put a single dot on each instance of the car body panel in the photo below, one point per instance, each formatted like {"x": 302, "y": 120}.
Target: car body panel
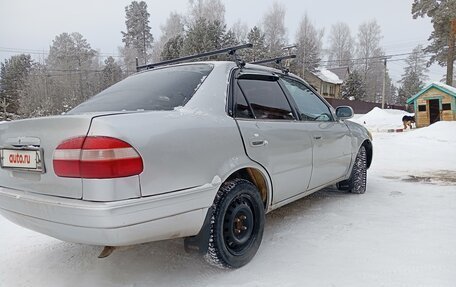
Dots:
{"x": 187, "y": 154}
{"x": 47, "y": 133}
{"x": 332, "y": 151}
{"x": 285, "y": 150}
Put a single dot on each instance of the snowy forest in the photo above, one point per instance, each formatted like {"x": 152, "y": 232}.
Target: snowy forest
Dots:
{"x": 73, "y": 70}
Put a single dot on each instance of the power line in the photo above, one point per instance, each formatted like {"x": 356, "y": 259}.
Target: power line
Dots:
{"x": 43, "y": 52}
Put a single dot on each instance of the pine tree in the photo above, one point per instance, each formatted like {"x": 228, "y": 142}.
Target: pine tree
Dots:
{"x": 13, "y": 76}
{"x": 137, "y": 39}
{"x": 441, "y": 13}
{"x": 173, "y": 48}
{"x": 203, "y": 36}
{"x": 354, "y": 88}
{"x": 259, "y": 50}
{"x": 414, "y": 77}
{"x": 111, "y": 73}
{"x": 72, "y": 62}
{"x": 308, "y": 47}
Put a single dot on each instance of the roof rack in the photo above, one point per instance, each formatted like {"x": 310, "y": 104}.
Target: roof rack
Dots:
{"x": 278, "y": 61}
{"x": 230, "y": 51}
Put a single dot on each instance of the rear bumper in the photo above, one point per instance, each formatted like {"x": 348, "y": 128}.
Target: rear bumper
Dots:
{"x": 172, "y": 215}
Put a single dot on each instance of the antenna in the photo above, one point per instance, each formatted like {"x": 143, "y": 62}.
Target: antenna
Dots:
{"x": 230, "y": 51}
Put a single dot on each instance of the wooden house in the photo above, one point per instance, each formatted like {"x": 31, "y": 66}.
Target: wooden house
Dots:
{"x": 327, "y": 83}
{"x": 436, "y": 102}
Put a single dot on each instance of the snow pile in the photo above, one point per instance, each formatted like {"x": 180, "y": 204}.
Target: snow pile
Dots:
{"x": 440, "y": 131}
{"x": 381, "y": 120}
{"x": 419, "y": 152}
{"x": 328, "y": 76}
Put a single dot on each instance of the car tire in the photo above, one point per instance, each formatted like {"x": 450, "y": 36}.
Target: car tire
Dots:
{"x": 358, "y": 178}
{"x": 237, "y": 225}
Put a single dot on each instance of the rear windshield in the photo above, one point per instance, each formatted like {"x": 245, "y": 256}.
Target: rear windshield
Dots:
{"x": 162, "y": 89}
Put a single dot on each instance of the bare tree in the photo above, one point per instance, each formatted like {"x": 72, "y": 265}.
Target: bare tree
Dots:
{"x": 370, "y": 56}
{"x": 368, "y": 46}
{"x": 274, "y": 28}
{"x": 340, "y": 45}
{"x": 173, "y": 27}
{"x": 210, "y": 10}
{"x": 308, "y": 46}
{"x": 240, "y": 30}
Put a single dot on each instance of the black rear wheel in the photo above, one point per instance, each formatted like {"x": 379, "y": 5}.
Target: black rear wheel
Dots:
{"x": 237, "y": 224}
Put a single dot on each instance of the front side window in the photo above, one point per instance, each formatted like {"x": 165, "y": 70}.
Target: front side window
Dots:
{"x": 158, "y": 90}
{"x": 266, "y": 99}
{"x": 310, "y": 106}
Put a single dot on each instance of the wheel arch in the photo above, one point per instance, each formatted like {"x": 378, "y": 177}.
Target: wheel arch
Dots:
{"x": 257, "y": 177}
{"x": 369, "y": 151}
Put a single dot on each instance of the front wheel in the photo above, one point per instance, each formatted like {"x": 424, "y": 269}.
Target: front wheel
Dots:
{"x": 237, "y": 224}
{"x": 358, "y": 178}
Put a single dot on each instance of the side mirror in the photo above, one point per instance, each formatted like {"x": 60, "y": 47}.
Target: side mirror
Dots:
{"x": 344, "y": 112}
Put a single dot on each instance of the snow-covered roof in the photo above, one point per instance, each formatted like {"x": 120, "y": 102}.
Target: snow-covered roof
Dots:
{"x": 445, "y": 86}
{"x": 438, "y": 85}
{"x": 341, "y": 72}
{"x": 327, "y": 76}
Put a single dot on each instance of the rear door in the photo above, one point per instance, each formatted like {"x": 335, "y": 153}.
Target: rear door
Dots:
{"x": 331, "y": 137}
{"x": 271, "y": 133}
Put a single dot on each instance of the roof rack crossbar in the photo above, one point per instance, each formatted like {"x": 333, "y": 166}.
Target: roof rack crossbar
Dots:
{"x": 277, "y": 60}
{"x": 230, "y": 51}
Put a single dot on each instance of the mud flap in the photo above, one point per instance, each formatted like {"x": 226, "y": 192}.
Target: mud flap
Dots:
{"x": 200, "y": 242}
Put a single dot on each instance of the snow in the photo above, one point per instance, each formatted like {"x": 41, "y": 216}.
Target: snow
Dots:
{"x": 381, "y": 120}
{"x": 445, "y": 86}
{"x": 400, "y": 233}
{"x": 328, "y": 76}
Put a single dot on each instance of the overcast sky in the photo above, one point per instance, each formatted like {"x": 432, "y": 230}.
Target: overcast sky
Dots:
{"x": 30, "y": 26}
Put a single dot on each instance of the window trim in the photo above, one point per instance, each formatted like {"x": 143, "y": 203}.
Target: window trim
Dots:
{"x": 330, "y": 108}
{"x": 446, "y": 105}
{"x": 232, "y": 101}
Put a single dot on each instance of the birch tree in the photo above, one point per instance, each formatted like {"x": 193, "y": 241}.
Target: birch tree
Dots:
{"x": 274, "y": 29}
{"x": 340, "y": 45}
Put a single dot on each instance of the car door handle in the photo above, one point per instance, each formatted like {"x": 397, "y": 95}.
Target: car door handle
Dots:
{"x": 258, "y": 143}
{"x": 317, "y": 137}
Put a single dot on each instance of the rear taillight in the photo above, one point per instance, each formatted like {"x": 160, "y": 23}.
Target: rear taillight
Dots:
{"x": 96, "y": 157}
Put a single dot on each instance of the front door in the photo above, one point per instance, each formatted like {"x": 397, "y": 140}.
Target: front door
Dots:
{"x": 332, "y": 150}
{"x": 434, "y": 111}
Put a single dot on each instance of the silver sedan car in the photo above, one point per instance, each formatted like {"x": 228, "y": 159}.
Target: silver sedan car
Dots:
{"x": 199, "y": 150}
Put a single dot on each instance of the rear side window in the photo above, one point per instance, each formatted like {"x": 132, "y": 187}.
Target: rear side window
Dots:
{"x": 266, "y": 99}
{"x": 161, "y": 89}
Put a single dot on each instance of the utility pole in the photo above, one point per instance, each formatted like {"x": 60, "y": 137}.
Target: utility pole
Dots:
{"x": 384, "y": 82}
{"x": 289, "y": 48}
{"x": 450, "y": 62}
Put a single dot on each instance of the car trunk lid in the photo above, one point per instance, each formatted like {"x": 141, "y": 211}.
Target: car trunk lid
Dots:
{"x": 42, "y": 135}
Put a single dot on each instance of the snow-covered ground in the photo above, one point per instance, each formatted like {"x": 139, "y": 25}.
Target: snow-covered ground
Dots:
{"x": 400, "y": 233}
{"x": 379, "y": 120}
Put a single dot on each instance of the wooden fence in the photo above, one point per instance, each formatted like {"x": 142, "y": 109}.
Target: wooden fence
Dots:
{"x": 361, "y": 107}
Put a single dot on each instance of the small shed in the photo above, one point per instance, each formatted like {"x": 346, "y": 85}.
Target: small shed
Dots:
{"x": 436, "y": 102}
